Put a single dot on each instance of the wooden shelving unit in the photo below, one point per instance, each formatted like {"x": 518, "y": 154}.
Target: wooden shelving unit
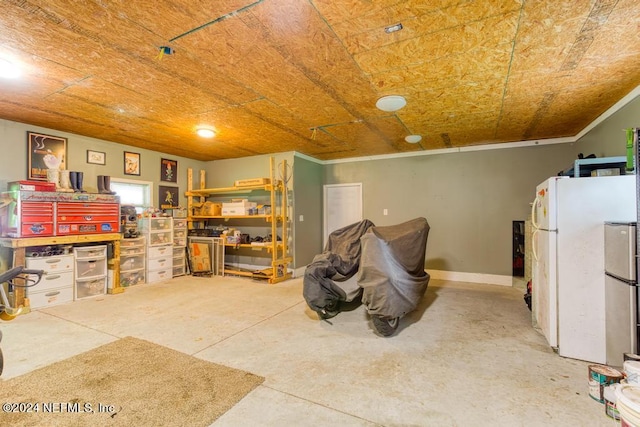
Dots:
{"x": 277, "y": 220}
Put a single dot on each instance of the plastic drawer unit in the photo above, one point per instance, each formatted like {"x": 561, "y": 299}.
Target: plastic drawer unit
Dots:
{"x": 91, "y": 271}
{"x": 133, "y": 254}
{"x": 158, "y": 233}
{"x": 56, "y": 286}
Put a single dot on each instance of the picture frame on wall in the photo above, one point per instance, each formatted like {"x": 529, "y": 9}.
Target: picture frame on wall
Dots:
{"x": 96, "y": 157}
{"x": 131, "y": 163}
{"x": 168, "y": 170}
{"x": 45, "y": 152}
{"x": 168, "y": 197}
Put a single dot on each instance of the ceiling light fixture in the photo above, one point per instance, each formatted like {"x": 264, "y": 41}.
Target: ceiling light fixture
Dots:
{"x": 391, "y": 103}
{"x": 393, "y": 28}
{"x": 8, "y": 69}
{"x": 205, "y": 132}
{"x": 413, "y": 139}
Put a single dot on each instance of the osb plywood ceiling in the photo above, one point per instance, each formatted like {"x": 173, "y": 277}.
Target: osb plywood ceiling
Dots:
{"x": 304, "y": 75}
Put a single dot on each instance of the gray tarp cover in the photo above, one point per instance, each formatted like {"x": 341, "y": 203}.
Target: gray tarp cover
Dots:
{"x": 391, "y": 270}
{"x": 338, "y": 262}
{"x": 389, "y": 262}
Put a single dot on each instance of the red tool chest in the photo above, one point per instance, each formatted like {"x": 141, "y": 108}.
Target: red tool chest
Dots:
{"x": 87, "y": 218}
{"x": 44, "y": 213}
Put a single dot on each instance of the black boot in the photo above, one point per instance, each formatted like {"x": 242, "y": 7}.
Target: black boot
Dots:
{"x": 107, "y": 185}
{"x": 79, "y": 177}
{"x": 73, "y": 178}
{"x": 101, "y": 184}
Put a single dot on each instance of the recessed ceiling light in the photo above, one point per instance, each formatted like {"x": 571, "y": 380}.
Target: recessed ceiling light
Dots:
{"x": 391, "y": 103}
{"x": 8, "y": 69}
{"x": 413, "y": 139}
{"x": 205, "y": 132}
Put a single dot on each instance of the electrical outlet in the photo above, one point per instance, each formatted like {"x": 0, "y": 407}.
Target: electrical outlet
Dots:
{"x": 385, "y": 212}
{"x": 301, "y": 218}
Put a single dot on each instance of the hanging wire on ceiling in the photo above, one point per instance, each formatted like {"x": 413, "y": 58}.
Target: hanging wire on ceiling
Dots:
{"x": 221, "y": 18}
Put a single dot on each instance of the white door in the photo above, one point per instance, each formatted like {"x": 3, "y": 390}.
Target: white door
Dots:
{"x": 342, "y": 206}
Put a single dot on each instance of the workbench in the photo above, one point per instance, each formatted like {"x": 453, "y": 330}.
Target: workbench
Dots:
{"x": 20, "y": 245}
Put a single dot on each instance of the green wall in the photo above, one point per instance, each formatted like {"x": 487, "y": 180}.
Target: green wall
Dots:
{"x": 13, "y": 164}
{"x": 470, "y": 198}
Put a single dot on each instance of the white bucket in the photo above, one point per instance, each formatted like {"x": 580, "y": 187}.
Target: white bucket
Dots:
{"x": 601, "y": 376}
{"x": 610, "y": 399}
{"x": 632, "y": 370}
{"x": 628, "y": 404}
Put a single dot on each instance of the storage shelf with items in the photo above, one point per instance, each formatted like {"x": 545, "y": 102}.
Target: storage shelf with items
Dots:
{"x": 91, "y": 271}
{"x": 179, "y": 245}
{"x": 258, "y": 204}
{"x": 158, "y": 233}
{"x": 133, "y": 255}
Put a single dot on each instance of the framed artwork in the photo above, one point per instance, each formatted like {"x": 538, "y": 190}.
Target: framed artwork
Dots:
{"x": 131, "y": 163}
{"x": 45, "y": 152}
{"x": 168, "y": 197}
{"x": 168, "y": 170}
{"x": 96, "y": 157}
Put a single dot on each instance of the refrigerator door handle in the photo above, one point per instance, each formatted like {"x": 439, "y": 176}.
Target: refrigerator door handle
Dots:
{"x": 533, "y": 213}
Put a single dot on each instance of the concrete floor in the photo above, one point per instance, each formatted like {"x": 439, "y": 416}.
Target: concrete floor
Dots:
{"x": 467, "y": 356}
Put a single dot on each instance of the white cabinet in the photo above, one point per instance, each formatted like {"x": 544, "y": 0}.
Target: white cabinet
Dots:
{"x": 133, "y": 254}
{"x": 158, "y": 233}
{"x": 56, "y": 286}
{"x": 179, "y": 246}
{"x": 90, "y": 271}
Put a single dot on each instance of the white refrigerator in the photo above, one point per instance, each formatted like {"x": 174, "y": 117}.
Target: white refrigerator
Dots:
{"x": 568, "y": 279}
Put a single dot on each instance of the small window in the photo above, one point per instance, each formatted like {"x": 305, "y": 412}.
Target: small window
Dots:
{"x": 132, "y": 192}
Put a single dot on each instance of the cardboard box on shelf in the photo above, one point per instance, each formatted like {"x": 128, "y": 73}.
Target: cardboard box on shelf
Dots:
{"x": 241, "y": 207}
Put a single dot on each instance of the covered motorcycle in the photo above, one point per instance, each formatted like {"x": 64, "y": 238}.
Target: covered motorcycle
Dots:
{"x": 387, "y": 264}
{"x": 326, "y": 280}
{"x": 391, "y": 272}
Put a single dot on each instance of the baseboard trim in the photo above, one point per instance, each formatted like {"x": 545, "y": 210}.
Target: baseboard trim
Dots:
{"x": 299, "y": 272}
{"x": 490, "y": 279}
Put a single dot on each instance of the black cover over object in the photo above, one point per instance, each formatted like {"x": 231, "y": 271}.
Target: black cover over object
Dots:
{"x": 391, "y": 270}
{"x": 337, "y": 263}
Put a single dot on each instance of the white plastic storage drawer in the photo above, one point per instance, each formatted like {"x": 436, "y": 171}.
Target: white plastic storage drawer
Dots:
{"x": 131, "y": 278}
{"x": 51, "y": 281}
{"x": 134, "y": 262}
{"x": 51, "y": 297}
{"x": 160, "y": 238}
{"x": 90, "y": 252}
{"x": 158, "y": 275}
{"x": 179, "y": 223}
{"x": 51, "y": 263}
{"x": 160, "y": 263}
{"x": 178, "y": 251}
{"x": 91, "y": 268}
{"x": 160, "y": 251}
{"x": 137, "y": 241}
{"x": 91, "y": 287}
{"x": 178, "y": 271}
{"x": 160, "y": 223}
{"x": 132, "y": 250}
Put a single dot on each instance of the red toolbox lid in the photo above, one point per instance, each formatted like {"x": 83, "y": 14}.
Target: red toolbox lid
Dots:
{"x": 31, "y": 186}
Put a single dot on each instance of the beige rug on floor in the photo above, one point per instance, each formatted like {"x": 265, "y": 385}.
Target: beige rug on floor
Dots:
{"x": 129, "y": 382}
